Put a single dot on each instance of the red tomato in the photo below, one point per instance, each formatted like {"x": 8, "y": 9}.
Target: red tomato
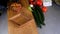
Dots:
{"x": 44, "y": 9}
{"x": 32, "y": 3}
{"x": 39, "y": 3}
{"x": 31, "y": 0}
{"x": 39, "y": 0}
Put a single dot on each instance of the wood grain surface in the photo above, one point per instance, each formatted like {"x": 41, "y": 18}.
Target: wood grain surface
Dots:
{"x": 22, "y": 24}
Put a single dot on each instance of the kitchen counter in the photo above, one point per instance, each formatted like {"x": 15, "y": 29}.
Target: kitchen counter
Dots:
{"x": 52, "y": 22}
{"x": 3, "y": 24}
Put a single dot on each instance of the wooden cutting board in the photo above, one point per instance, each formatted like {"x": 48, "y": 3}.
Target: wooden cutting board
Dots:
{"x": 20, "y": 24}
